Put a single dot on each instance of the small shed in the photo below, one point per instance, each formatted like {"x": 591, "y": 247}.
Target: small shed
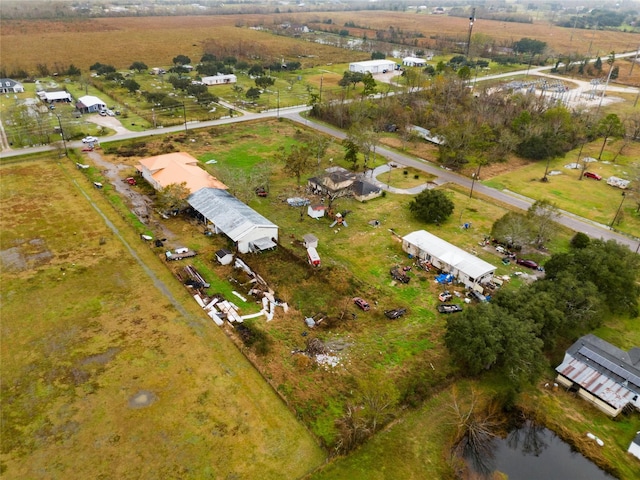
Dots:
{"x": 634, "y": 448}
{"x": 310, "y": 240}
{"x": 224, "y": 257}
{"x": 316, "y": 211}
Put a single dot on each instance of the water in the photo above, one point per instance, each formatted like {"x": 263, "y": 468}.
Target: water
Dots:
{"x": 532, "y": 452}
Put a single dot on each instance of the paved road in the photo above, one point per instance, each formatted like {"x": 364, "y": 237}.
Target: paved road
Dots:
{"x": 567, "y": 219}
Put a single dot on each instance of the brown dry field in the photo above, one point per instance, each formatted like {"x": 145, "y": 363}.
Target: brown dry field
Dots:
{"x": 156, "y": 40}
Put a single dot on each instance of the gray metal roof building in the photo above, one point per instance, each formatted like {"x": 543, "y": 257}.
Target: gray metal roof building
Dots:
{"x": 602, "y": 373}
{"x": 242, "y": 224}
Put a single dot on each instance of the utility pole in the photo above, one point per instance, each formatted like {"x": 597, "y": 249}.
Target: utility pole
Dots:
{"x": 64, "y": 141}
{"x": 617, "y": 211}
{"x": 472, "y": 19}
{"x": 184, "y": 114}
{"x": 320, "y": 96}
{"x": 473, "y": 180}
{"x": 612, "y": 59}
{"x": 278, "y": 104}
{"x": 634, "y": 61}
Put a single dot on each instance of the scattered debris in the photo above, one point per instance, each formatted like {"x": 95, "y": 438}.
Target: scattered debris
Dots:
{"x": 618, "y": 182}
{"x": 298, "y": 202}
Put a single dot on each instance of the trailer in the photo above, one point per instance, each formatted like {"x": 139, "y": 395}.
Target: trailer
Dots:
{"x": 313, "y": 257}
{"x": 179, "y": 256}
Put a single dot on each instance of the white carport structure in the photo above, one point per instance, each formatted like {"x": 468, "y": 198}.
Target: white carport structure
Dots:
{"x": 224, "y": 213}
{"x": 372, "y": 66}
{"x": 414, "y": 62}
{"x": 467, "y": 268}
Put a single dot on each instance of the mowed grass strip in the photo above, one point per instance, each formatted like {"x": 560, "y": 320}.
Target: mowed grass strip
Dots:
{"x": 84, "y": 331}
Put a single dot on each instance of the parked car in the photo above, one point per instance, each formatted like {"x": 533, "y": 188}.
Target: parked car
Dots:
{"x": 445, "y": 296}
{"x": 103, "y": 113}
{"x": 130, "y": 180}
{"x": 527, "y": 263}
{"x": 595, "y": 176}
{"x": 449, "y": 308}
{"x": 362, "y": 303}
{"x": 399, "y": 275}
{"x": 395, "y": 313}
{"x": 261, "y": 192}
{"x": 90, "y": 139}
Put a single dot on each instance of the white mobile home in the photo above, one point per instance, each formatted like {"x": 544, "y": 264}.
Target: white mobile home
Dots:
{"x": 467, "y": 268}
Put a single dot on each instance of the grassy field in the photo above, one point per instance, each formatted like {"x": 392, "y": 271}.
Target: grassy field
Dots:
{"x": 569, "y": 193}
{"x": 88, "y": 338}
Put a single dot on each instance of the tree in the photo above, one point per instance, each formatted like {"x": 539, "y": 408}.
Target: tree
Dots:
{"x": 610, "y": 126}
{"x": 138, "y": 66}
{"x": 131, "y": 85}
{"x": 296, "y": 160}
{"x": 263, "y": 82}
{"x": 181, "y": 60}
{"x": 369, "y": 85}
{"x": 351, "y": 150}
{"x": 580, "y": 240}
{"x": 611, "y": 267}
{"x": 256, "y": 71}
{"x": 378, "y": 55}
{"x": 432, "y": 206}
{"x": 318, "y": 145}
{"x": 542, "y": 217}
{"x": 173, "y": 197}
{"x": 253, "y": 94}
{"x": 529, "y": 45}
{"x": 513, "y": 229}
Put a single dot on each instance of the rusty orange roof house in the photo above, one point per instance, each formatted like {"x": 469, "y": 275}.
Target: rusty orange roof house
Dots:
{"x": 177, "y": 167}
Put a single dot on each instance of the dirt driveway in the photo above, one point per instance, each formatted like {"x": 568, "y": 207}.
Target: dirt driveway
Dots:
{"x": 108, "y": 122}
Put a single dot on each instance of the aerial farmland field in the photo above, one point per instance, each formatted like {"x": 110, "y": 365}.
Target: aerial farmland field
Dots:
{"x": 105, "y": 372}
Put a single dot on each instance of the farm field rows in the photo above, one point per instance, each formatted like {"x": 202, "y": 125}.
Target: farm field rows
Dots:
{"x": 102, "y": 372}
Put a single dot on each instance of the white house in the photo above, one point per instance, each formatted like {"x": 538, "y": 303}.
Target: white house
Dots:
{"x": 414, "y": 62}
{"x": 372, "y": 66}
{"x": 10, "y": 86}
{"x": 220, "y": 79}
{"x": 224, "y": 213}
{"x": 467, "y": 268}
{"x": 602, "y": 374}
{"x": 90, "y": 104}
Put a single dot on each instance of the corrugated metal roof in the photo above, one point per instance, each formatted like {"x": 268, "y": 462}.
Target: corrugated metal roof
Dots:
{"x": 599, "y": 384}
{"x": 227, "y": 213}
{"x": 463, "y": 261}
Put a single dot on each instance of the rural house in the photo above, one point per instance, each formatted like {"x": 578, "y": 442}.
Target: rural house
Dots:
{"x": 90, "y": 104}
{"x": 372, "y": 66}
{"x": 414, "y": 62}
{"x": 10, "y": 86}
{"x": 177, "y": 167}
{"x": 465, "y": 267}
{"x": 339, "y": 181}
{"x": 220, "y": 79}
{"x": 602, "y": 374}
{"x": 224, "y": 213}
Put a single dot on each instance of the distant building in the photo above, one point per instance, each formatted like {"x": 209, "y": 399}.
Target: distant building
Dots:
{"x": 8, "y": 85}
{"x": 90, "y": 104}
{"x": 372, "y": 66}
{"x": 602, "y": 374}
{"x": 414, "y": 62}
{"x": 220, "y": 79}
{"x": 58, "y": 96}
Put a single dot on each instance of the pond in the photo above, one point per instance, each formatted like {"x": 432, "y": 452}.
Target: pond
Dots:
{"x": 532, "y": 452}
